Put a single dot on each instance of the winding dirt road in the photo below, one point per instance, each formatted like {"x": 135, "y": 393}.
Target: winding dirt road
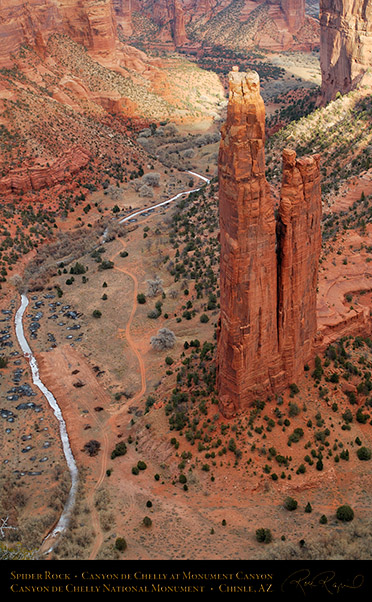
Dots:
{"x": 105, "y": 447}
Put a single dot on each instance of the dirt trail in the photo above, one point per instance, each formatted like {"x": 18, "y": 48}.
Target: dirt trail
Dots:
{"x": 128, "y": 335}
{"x": 105, "y": 449}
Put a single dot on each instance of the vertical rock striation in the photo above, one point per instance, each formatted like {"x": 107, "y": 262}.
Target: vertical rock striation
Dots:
{"x": 268, "y": 267}
{"x": 91, "y": 23}
{"x": 123, "y": 10}
{"x": 345, "y": 45}
{"x": 177, "y": 22}
{"x": 294, "y": 12}
{"x": 299, "y": 245}
{"x": 248, "y": 344}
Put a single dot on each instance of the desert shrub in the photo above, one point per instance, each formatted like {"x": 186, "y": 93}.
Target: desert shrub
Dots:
{"x": 308, "y": 508}
{"x": 290, "y": 503}
{"x": 151, "y": 179}
{"x": 120, "y": 450}
{"x": 92, "y": 447}
{"x": 147, "y": 521}
{"x": 296, "y": 435}
{"x": 165, "y": 339}
{"x": 120, "y": 544}
{"x": 264, "y": 535}
{"x": 141, "y": 465}
{"x": 347, "y": 416}
{"x": 78, "y": 268}
{"x": 141, "y": 299}
{"x": 345, "y": 513}
{"x": 3, "y": 362}
{"x": 360, "y": 417}
{"x": 97, "y": 313}
{"x": 188, "y": 153}
{"x": 318, "y": 371}
{"x": 154, "y": 287}
{"x": 16, "y": 552}
{"x": 294, "y": 390}
{"x": 146, "y": 191}
{"x": 364, "y": 453}
{"x": 106, "y": 265}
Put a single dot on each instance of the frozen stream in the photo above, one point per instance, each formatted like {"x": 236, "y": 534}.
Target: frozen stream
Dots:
{"x": 64, "y": 518}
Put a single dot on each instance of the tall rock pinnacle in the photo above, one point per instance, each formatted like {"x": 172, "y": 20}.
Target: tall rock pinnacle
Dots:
{"x": 248, "y": 344}
{"x": 268, "y": 268}
{"x": 299, "y": 245}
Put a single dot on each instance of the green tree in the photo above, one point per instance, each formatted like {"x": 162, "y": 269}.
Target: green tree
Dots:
{"x": 290, "y": 503}
{"x": 364, "y": 453}
{"x": 120, "y": 544}
{"x": 264, "y": 535}
{"x": 345, "y": 513}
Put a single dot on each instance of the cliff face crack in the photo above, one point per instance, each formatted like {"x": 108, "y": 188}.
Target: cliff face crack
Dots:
{"x": 268, "y": 276}
{"x": 345, "y": 45}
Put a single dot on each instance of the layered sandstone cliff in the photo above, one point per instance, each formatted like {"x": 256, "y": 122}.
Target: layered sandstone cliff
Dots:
{"x": 91, "y": 23}
{"x": 294, "y": 12}
{"x": 168, "y": 15}
{"x": 273, "y": 24}
{"x": 123, "y": 10}
{"x": 36, "y": 177}
{"x": 268, "y": 267}
{"x": 346, "y": 45}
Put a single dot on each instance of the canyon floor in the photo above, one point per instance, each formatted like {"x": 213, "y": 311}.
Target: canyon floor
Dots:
{"x": 189, "y": 483}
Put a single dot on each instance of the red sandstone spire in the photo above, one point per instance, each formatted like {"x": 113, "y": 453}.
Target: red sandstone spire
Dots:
{"x": 268, "y": 271}
{"x": 247, "y": 344}
{"x": 299, "y": 245}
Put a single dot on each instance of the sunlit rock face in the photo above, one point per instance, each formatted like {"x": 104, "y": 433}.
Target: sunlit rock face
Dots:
{"x": 90, "y": 23}
{"x": 294, "y": 12}
{"x": 283, "y": 26}
{"x": 299, "y": 246}
{"x": 346, "y": 45}
{"x": 268, "y": 265}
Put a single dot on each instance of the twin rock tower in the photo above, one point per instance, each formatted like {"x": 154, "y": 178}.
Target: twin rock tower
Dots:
{"x": 269, "y": 259}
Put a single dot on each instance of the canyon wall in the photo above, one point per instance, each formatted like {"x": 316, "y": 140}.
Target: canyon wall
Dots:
{"x": 346, "y": 45}
{"x": 294, "y": 12}
{"x": 36, "y": 177}
{"x": 284, "y": 19}
{"x": 91, "y": 23}
{"x": 123, "y": 10}
{"x": 268, "y": 266}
